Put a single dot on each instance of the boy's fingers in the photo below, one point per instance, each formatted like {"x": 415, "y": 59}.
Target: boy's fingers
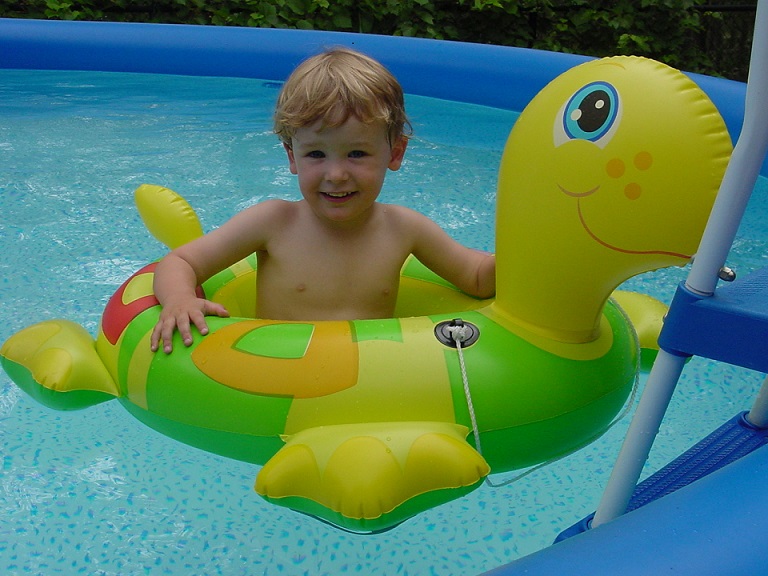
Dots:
{"x": 154, "y": 339}
{"x": 168, "y": 338}
{"x": 198, "y": 319}
{"x": 182, "y": 323}
{"x": 214, "y": 309}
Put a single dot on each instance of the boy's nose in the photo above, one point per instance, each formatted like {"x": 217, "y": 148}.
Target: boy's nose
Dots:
{"x": 336, "y": 172}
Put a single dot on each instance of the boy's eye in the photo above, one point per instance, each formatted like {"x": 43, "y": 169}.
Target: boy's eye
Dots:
{"x": 315, "y": 154}
{"x": 357, "y": 154}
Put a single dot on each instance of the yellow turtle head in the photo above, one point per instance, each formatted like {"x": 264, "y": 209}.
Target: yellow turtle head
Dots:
{"x": 610, "y": 171}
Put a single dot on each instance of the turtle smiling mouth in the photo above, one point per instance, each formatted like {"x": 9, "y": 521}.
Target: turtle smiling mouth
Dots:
{"x": 578, "y": 194}
{"x": 597, "y": 239}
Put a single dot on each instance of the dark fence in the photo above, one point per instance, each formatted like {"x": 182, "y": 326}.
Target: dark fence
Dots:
{"x": 727, "y": 36}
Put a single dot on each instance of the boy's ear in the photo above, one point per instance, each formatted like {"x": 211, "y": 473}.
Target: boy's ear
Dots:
{"x": 397, "y": 153}
{"x": 291, "y": 159}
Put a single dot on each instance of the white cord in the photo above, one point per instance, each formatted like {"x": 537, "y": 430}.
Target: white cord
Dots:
{"x": 461, "y": 333}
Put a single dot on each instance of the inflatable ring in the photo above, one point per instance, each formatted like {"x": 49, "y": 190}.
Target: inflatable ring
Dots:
{"x": 610, "y": 171}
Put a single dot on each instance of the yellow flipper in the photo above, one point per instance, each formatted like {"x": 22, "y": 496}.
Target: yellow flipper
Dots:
{"x": 167, "y": 216}
{"x": 647, "y": 316}
{"x": 362, "y": 472}
{"x": 57, "y": 364}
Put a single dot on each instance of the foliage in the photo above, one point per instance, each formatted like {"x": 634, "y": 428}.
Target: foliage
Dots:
{"x": 672, "y": 31}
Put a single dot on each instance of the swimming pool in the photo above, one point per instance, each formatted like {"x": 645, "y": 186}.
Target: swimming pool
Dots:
{"x": 95, "y": 491}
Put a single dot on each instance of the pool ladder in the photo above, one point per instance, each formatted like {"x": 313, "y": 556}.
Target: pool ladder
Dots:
{"x": 730, "y": 326}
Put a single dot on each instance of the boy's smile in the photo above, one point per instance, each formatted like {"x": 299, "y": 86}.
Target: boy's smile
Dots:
{"x": 337, "y": 196}
{"x": 341, "y": 169}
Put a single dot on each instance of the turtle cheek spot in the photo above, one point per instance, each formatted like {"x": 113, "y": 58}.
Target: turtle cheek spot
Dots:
{"x": 643, "y": 160}
{"x": 633, "y": 191}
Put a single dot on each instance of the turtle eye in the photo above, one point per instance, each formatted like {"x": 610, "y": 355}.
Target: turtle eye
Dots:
{"x": 590, "y": 114}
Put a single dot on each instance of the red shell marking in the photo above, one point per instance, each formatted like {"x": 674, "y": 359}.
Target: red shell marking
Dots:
{"x": 117, "y": 314}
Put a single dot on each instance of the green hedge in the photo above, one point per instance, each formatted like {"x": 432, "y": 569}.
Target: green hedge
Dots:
{"x": 668, "y": 30}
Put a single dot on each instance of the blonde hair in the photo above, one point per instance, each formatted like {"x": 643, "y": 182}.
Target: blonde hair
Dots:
{"x": 337, "y": 84}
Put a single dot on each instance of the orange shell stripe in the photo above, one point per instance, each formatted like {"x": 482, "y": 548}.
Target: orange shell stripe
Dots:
{"x": 327, "y": 361}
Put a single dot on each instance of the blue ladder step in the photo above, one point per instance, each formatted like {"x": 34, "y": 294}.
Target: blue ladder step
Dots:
{"x": 733, "y": 440}
{"x": 730, "y": 326}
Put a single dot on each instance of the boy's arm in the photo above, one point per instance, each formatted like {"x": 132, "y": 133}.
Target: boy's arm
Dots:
{"x": 472, "y": 271}
{"x": 486, "y": 277}
{"x": 182, "y": 270}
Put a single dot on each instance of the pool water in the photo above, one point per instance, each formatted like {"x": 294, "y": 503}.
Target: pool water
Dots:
{"x": 95, "y": 492}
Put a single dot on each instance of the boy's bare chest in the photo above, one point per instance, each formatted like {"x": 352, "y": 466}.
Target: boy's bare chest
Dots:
{"x": 324, "y": 278}
{"x": 339, "y": 265}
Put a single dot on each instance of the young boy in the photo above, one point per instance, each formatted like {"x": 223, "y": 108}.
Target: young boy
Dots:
{"x": 337, "y": 253}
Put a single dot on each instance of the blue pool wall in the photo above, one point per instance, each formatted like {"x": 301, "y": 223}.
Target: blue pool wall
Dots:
{"x": 716, "y": 526}
{"x": 491, "y": 75}
{"x": 499, "y": 76}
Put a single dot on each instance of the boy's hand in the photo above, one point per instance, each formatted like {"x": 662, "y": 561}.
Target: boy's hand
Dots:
{"x": 182, "y": 315}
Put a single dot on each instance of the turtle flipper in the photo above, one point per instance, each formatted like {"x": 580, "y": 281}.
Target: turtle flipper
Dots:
{"x": 56, "y": 363}
{"x": 646, "y": 314}
{"x": 167, "y": 216}
{"x": 370, "y": 477}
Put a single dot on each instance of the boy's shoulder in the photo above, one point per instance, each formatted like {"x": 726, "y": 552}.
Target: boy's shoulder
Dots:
{"x": 275, "y": 207}
{"x": 278, "y": 204}
{"x": 407, "y": 223}
{"x": 269, "y": 214}
{"x": 404, "y": 215}
{"x": 398, "y": 210}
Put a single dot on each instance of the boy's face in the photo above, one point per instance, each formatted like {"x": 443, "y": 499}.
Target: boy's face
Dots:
{"x": 341, "y": 170}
